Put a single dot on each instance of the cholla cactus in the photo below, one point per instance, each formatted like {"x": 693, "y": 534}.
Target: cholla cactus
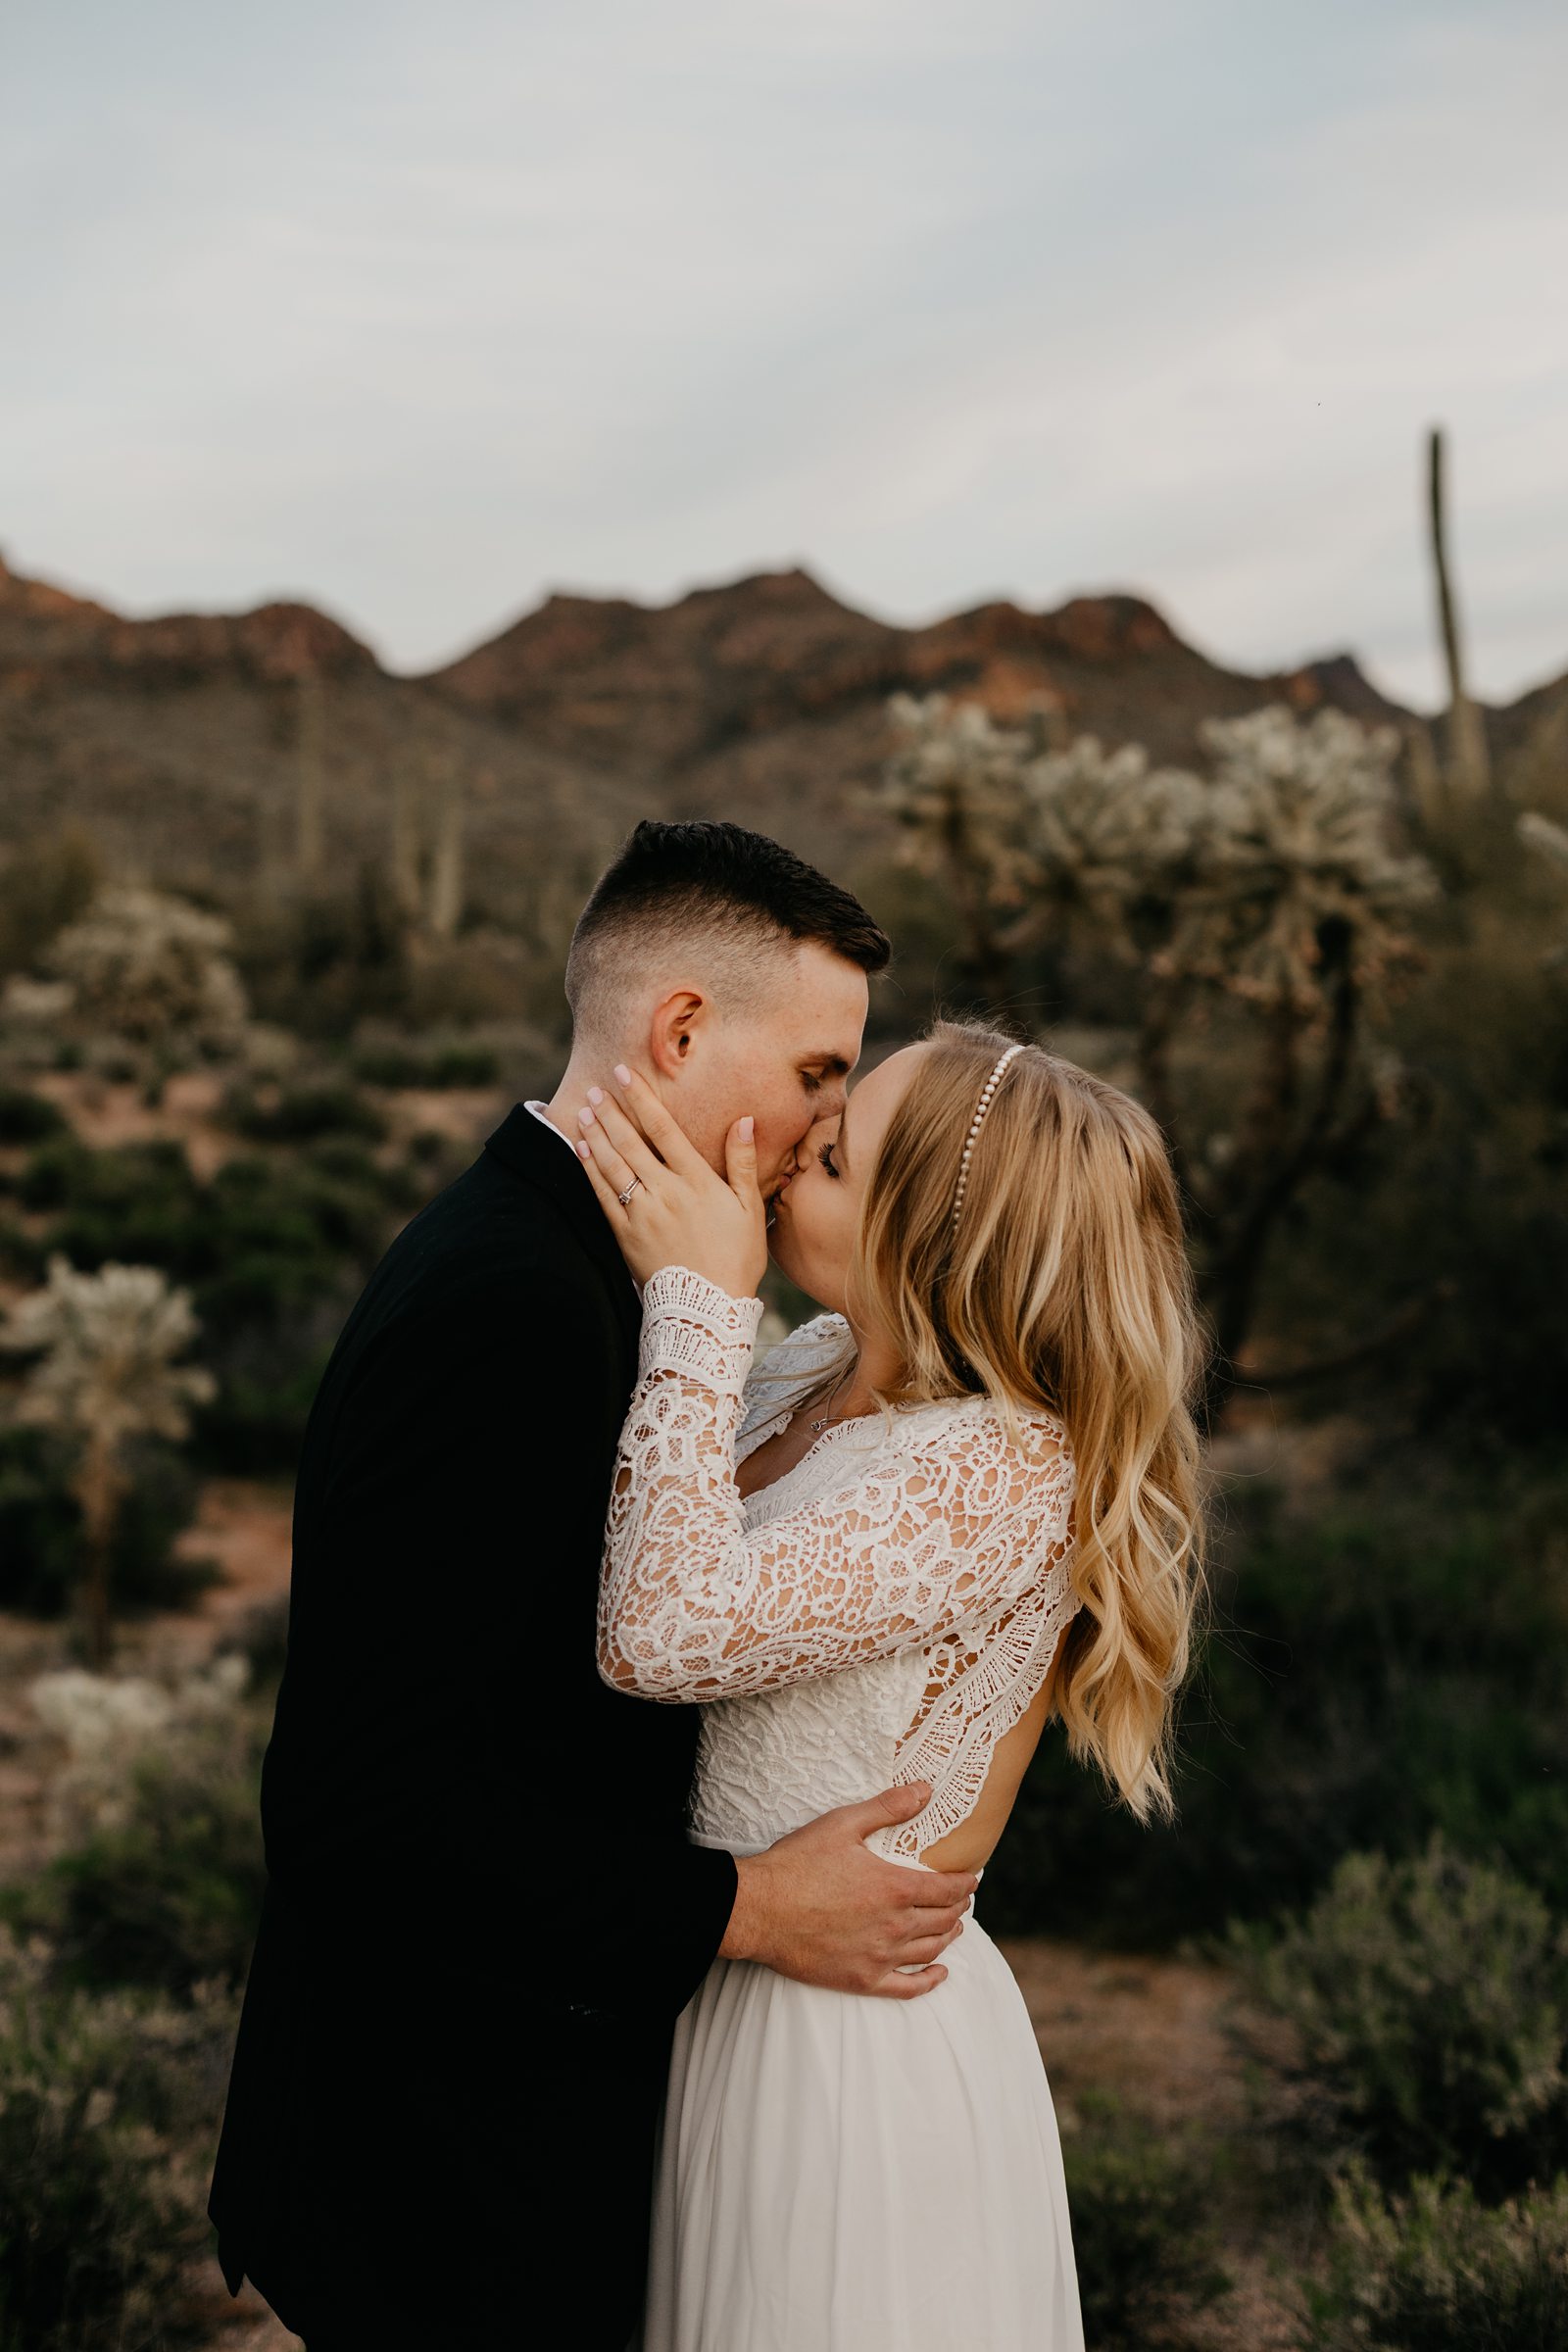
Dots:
{"x": 106, "y": 1376}
{"x": 1549, "y": 841}
{"x": 1273, "y": 884}
{"x": 1296, "y": 874}
{"x": 151, "y": 967}
{"x": 107, "y": 1721}
{"x": 1107, "y": 833}
{"x": 951, "y": 782}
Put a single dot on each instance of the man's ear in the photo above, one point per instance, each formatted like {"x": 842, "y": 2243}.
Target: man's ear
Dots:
{"x": 677, "y": 1023}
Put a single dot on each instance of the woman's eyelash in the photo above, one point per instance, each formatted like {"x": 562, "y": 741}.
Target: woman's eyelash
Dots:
{"x": 825, "y": 1155}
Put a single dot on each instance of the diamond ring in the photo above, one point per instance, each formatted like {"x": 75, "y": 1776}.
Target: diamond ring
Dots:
{"x": 625, "y": 1198}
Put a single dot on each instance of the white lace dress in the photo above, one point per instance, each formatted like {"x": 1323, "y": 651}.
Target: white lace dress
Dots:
{"x": 842, "y": 2173}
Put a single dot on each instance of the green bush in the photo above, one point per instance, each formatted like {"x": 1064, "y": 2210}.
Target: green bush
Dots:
{"x": 27, "y": 1119}
{"x": 55, "y": 1173}
{"x": 169, "y": 1893}
{"x": 44, "y": 884}
{"x": 1143, "y": 2237}
{"x": 273, "y": 1248}
{"x": 22, "y": 1254}
{"x": 466, "y": 1065}
{"x": 1431, "y": 2001}
{"x": 1390, "y": 1666}
{"x": 41, "y": 1544}
{"x": 399, "y": 1065}
{"x": 108, "y": 2111}
{"x": 304, "y": 1114}
{"x": 1440, "y": 2272}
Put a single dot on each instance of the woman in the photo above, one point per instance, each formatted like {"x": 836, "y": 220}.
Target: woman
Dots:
{"x": 959, "y": 1502}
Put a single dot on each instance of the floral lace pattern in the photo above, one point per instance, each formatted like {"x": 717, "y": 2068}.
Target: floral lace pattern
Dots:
{"x": 928, "y": 1537}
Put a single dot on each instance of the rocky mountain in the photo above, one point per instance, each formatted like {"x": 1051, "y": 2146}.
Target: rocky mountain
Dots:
{"x": 185, "y": 742}
{"x": 765, "y": 700}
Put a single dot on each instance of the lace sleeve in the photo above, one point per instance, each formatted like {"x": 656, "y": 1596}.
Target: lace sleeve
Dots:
{"x": 939, "y": 1523}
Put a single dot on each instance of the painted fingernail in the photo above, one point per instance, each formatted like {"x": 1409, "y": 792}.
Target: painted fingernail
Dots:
{"x": 596, "y": 1095}
{"x": 585, "y": 1118}
{"x": 622, "y": 1074}
{"x": 582, "y": 1150}
{"x": 747, "y": 1126}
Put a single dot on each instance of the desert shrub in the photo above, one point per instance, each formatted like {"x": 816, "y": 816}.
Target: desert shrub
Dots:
{"x": 1431, "y": 2001}
{"x": 1391, "y": 1665}
{"x": 22, "y": 1254}
{"x": 1142, "y": 2236}
{"x": 456, "y": 1063}
{"x": 272, "y": 1250}
{"x": 267, "y": 1387}
{"x": 327, "y": 962}
{"x": 303, "y": 1113}
{"x": 161, "y": 1885}
{"x": 466, "y": 1065}
{"x": 389, "y": 1065}
{"x": 107, "y": 2110}
{"x": 260, "y": 1638}
{"x": 43, "y": 1546}
{"x": 26, "y": 1117}
{"x": 44, "y": 884}
{"x": 148, "y": 967}
{"x": 1437, "y": 2270}
{"x": 434, "y": 1158}
{"x": 54, "y": 1172}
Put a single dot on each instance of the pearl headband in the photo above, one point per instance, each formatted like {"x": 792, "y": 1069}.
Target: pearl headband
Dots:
{"x": 976, "y": 1123}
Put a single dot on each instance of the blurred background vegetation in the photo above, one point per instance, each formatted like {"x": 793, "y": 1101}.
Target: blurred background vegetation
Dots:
{"x": 1328, "y": 944}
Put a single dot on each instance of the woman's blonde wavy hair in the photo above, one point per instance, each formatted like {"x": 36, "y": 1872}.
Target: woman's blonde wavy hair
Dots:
{"x": 1066, "y": 1283}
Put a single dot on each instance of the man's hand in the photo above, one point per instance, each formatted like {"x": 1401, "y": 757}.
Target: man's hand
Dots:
{"x": 819, "y": 1907}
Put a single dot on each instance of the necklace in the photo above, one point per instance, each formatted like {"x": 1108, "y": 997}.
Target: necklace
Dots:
{"x": 828, "y": 1418}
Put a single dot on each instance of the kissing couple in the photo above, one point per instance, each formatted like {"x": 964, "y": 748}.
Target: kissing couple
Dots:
{"x": 651, "y": 1708}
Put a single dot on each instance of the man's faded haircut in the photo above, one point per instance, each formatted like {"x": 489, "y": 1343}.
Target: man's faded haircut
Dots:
{"x": 730, "y": 899}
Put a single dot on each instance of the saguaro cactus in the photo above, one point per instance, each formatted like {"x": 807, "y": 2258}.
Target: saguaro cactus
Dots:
{"x": 447, "y": 863}
{"x": 309, "y": 839}
{"x": 1468, "y": 764}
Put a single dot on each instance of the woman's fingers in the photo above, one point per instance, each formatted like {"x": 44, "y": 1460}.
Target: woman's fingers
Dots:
{"x": 640, "y": 1158}
{"x": 602, "y": 1185}
{"x": 603, "y": 1154}
{"x": 664, "y": 1132}
{"x": 740, "y": 1164}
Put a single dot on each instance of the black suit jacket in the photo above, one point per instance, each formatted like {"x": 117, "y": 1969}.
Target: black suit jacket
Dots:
{"x": 482, "y": 1913}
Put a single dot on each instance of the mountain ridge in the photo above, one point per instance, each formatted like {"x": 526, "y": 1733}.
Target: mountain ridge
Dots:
{"x": 180, "y": 738}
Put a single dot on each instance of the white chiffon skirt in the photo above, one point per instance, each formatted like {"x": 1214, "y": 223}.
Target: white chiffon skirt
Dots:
{"x": 852, "y": 2175}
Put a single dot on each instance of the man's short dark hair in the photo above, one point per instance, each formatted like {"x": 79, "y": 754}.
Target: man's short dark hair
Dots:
{"x": 740, "y": 892}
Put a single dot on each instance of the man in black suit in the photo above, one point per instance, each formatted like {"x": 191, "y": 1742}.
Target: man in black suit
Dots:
{"x": 483, "y": 1914}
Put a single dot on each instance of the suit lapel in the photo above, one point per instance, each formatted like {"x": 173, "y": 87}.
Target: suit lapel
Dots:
{"x": 525, "y": 1147}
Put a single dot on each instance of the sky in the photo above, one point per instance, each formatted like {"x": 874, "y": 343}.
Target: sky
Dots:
{"x": 420, "y": 313}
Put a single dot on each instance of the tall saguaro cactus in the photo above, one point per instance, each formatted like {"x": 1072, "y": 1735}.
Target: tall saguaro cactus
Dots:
{"x": 308, "y": 767}
{"x": 1468, "y": 761}
{"x": 447, "y": 862}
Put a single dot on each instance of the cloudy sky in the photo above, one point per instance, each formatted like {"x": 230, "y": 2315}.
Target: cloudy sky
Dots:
{"x": 421, "y": 312}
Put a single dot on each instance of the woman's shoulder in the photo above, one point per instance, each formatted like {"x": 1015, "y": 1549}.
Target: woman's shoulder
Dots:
{"x": 1033, "y": 1435}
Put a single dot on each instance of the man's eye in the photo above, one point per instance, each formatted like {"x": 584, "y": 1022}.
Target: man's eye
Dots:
{"x": 812, "y": 1080}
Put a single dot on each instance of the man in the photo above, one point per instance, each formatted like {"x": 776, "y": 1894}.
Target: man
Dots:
{"x": 483, "y": 1915}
